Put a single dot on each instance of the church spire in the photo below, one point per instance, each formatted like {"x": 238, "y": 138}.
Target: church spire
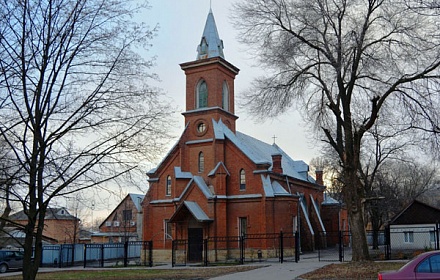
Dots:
{"x": 210, "y": 45}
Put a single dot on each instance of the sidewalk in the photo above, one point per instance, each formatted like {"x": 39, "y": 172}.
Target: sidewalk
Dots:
{"x": 278, "y": 271}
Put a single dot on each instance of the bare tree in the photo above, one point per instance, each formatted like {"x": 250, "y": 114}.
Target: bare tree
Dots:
{"x": 349, "y": 62}
{"x": 76, "y": 110}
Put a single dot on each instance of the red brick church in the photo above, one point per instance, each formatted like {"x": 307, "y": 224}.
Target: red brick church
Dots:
{"x": 219, "y": 182}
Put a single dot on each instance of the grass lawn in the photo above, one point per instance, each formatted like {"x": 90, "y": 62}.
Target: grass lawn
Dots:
{"x": 138, "y": 273}
{"x": 361, "y": 271}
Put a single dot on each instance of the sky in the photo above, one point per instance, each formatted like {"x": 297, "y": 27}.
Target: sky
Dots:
{"x": 181, "y": 26}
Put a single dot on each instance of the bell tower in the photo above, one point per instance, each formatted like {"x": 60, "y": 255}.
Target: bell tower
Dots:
{"x": 209, "y": 84}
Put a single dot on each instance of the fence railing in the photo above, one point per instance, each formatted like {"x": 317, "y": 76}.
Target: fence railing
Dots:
{"x": 237, "y": 249}
{"x": 98, "y": 255}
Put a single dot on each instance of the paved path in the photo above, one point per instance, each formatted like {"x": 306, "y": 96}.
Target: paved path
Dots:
{"x": 278, "y": 271}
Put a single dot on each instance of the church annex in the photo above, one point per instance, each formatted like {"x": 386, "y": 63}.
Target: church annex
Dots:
{"x": 218, "y": 182}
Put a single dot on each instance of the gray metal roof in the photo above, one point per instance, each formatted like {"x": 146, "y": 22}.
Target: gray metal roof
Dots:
{"x": 196, "y": 211}
{"x": 261, "y": 153}
{"x": 137, "y": 200}
{"x": 210, "y": 45}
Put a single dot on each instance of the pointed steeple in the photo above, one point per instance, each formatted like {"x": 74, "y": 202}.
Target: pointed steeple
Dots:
{"x": 210, "y": 45}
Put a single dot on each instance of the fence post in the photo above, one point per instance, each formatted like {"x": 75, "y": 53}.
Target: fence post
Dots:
{"x": 85, "y": 255}
{"x": 150, "y": 255}
{"x": 241, "y": 249}
{"x": 102, "y": 256}
{"x": 173, "y": 253}
{"x": 60, "y": 255}
{"x": 281, "y": 247}
{"x": 205, "y": 252}
{"x": 125, "y": 253}
{"x": 297, "y": 246}
{"x": 387, "y": 242}
{"x": 341, "y": 246}
{"x": 437, "y": 244}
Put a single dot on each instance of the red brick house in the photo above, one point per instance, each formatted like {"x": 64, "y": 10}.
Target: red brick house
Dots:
{"x": 124, "y": 223}
{"x": 59, "y": 225}
{"x": 219, "y": 182}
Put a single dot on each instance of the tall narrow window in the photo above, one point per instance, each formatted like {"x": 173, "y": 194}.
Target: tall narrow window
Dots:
{"x": 201, "y": 162}
{"x": 225, "y": 96}
{"x": 202, "y": 95}
{"x": 242, "y": 180}
{"x": 167, "y": 229}
{"x": 242, "y": 226}
{"x": 168, "y": 188}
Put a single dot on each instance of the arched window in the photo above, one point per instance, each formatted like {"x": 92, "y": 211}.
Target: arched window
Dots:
{"x": 202, "y": 95}
{"x": 225, "y": 96}
{"x": 168, "y": 189}
{"x": 201, "y": 162}
{"x": 242, "y": 180}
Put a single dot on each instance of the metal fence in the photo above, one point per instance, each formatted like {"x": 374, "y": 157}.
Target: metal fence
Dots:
{"x": 279, "y": 247}
{"x": 98, "y": 255}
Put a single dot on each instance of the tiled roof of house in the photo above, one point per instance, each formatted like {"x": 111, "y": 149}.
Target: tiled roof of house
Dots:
{"x": 51, "y": 214}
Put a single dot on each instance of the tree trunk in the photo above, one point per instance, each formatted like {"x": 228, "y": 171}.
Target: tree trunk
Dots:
{"x": 353, "y": 195}
{"x": 359, "y": 239}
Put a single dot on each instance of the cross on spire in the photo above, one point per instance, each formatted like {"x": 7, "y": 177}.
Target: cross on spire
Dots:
{"x": 274, "y": 138}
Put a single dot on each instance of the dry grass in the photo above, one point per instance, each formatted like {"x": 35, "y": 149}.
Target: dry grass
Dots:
{"x": 139, "y": 274}
{"x": 361, "y": 271}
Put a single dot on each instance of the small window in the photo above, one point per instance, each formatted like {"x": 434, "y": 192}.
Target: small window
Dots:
{"x": 242, "y": 226}
{"x": 242, "y": 180}
{"x": 127, "y": 215}
{"x": 408, "y": 237}
{"x": 167, "y": 227}
{"x": 225, "y": 96}
{"x": 168, "y": 187}
{"x": 202, "y": 95}
{"x": 201, "y": 162}
{"x": 432, "y": 238}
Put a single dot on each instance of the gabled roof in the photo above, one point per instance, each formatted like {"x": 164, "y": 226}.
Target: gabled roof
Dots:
{"x": 417, "y": 212}
{"x": 194, "y": 209}
{"x": 59, "y": 213}
{"x": 200, "y": 183}
{"x": 137, "y": 200}
{"x": 261, "y": 153}
{"x": 210, "y": 45}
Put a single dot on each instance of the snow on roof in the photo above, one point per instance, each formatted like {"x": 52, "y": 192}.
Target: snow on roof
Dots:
{"x": 261, "y": 153}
